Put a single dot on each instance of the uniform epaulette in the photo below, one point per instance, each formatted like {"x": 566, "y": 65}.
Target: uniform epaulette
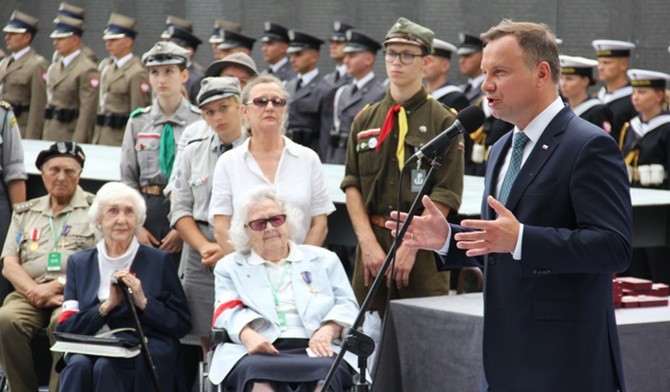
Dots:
{"x": 196, "y": 140}
{"x": 139, "y": 111}
{"x": 5, "y": 105}
{"x": 24, "y": 206}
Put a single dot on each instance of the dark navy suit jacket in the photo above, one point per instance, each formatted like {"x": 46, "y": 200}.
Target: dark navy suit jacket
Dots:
{"x": 549, "y": 318}
{"x": 164, "y": 321}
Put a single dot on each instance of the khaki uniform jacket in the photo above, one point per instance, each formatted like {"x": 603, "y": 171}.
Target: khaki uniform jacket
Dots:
{"x": 122, "y": 90}
{"x": 32, "y": 219}
{"x": 24, "y": 87}
{"x": 11, "y": 150}
{"x": 140, "y": 151}
{"x": 74, "y": 87}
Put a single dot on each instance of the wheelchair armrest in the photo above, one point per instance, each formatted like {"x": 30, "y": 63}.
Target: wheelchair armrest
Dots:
{"x": 219, "y": 335}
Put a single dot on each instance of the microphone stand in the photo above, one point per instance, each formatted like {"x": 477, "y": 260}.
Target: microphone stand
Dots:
{"x": 143, "y": 340}
{"x": 355, "y": 341}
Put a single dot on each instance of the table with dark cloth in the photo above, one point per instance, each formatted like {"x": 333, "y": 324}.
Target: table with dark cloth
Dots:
{"x": 434, "y": 344}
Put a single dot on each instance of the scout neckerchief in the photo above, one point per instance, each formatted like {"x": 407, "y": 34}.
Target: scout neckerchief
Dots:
{"x": 389, "y": 121}
{"x": 166, "y": 154}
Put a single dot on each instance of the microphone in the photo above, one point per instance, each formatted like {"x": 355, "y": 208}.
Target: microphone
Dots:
{"x": 467, "y": 121}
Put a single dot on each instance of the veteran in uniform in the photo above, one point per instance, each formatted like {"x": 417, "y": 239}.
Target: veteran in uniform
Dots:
{"x": 576, "y": 77}
{"x": 613, "y": 62}
{"x": 435, "y": 77}
{"x": 311, "y": 109}
{"x": 274, "y": 46}
{"x": 14, "y": 176}
{"x": 44, "y": 232}
{"x": 180, "y": 31}
{"x": 72, "y": 87}
{"x": 72, "y": 11}
{"x": 336, "y": 44}
{"x": 23, "y": 75}
{"x": 150, "y": 141}
{"x": 215, "y": 38}
{"x": 219, "y": 101}
{"x": 124, "y": 82}
{"x": 382, "y": 137}
{"x": 360, "y": 52}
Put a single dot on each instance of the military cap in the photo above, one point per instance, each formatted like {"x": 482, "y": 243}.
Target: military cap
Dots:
{"x": 214, "y": 88}
{"x": 179, "y": 22}
{"x": 575, "y": 65}
{"x": 70, "y": 10}
{"x": 120, "y": 26}
{"x": 233, "y": 39}
{"x": 215, "y": 37}
{"x": 239, "y": 59}
{"x": 469, "y": 43}
{"x": 181, "y": 37}
{"x": 357, "y": 41}
{"x": 340, "y": 31}
{"x": 646, "y": 78}
{"x": 404, "y": 31}
{"x": 443, "y": 48}
{"x": 21, "y": 22}
{"x": 274, "y": 32}
{"x": 165, "y": 53}
{"x": 299, "y": 40}
{"x": 61, "y": 149}
{"x": 67, "y": 27}
{"x": 612, "y": 48}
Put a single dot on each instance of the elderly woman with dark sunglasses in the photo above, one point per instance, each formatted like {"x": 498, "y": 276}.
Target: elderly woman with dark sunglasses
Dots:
{"x": 270, "y": 158}
{"x": 282, "y": 304}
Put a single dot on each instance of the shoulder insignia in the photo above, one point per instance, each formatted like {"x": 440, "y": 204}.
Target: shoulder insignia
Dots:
{"x": 25, "y": 206}
{"x": 5, "y": 105}
{"x": 196, "y": 140}
{"x": 139, "y": 111}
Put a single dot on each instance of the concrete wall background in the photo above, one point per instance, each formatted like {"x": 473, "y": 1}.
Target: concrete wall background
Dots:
{"x": 577, "y": 22}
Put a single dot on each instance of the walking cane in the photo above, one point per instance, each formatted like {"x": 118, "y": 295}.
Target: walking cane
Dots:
{"x": 143, "y": 342}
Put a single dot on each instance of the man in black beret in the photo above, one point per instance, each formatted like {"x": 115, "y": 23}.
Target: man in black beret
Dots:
{"x": 44, "y": 232}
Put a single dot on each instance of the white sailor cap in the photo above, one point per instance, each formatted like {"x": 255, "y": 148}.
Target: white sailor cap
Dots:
{"x": 575, "y": 65}
{"x": 612, "y": 48}
{"x": 443, "y": 48}
{"x": 646, "y": 78}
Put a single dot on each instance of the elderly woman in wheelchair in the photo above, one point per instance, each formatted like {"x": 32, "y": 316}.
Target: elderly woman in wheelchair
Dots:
{"x": 283, "y": 305}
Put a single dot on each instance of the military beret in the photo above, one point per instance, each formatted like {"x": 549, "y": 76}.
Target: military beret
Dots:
{"x": 404, "y": 31}
{"x": 61, "y": 149}
{"x": 21, "y": 22}
{"x": 165, "y": 53}
{"x": 214, "y": 88}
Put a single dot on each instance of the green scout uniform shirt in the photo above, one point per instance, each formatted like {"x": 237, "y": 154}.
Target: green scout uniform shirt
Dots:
{"x": 376, "y": 173}
{"x": 35, "y": 214}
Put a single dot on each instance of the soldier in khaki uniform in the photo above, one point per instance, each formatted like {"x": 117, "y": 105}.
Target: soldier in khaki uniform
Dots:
{"x": 124, "y": 82}
{"x": 44, "y": 232}
{"x": 150, "y": 142}
{"x": 23, "y": 75}
{"x": 72, "y": 87}
{"x": 373, "y": 165}
{"x": 72, "y": 11}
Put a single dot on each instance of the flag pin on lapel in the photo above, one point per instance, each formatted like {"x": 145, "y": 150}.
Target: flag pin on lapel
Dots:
{"x": 545, "y": 147}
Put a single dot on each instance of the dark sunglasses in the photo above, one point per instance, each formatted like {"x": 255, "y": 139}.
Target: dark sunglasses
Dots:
{"x": 261, "y": 224}
{"x": 262, "y": 102}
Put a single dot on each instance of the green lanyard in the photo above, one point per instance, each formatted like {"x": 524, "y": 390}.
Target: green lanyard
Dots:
{"x": 275, "y": 296}
{"x": 58, "y": 234}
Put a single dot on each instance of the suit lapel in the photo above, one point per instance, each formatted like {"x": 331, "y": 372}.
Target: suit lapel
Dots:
{"x": 542, "y": 151}
{"x": 256, "y": 287}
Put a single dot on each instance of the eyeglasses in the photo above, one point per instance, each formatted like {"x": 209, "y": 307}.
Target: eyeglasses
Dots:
{"x": 406, "y": 58}
{"x": 262, "y": 102}
{"x": 261, "y": 224}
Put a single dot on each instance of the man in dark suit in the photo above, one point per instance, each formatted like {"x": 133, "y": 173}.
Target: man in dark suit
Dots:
{"x": 552, "y": 232}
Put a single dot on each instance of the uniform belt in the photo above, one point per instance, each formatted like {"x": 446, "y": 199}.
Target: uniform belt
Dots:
{"x": 18, "y": 109}
{"x": 62, "y": 115}
{"x": 378, "y": 220}
{"x": 154, "y": 190}
{"x": 112, "y": 120}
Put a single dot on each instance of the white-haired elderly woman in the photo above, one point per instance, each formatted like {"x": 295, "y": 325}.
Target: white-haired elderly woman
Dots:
{"x": 277, "y": 299}
{"x": 93, "y": 303}
{"x": 267, "y": 157}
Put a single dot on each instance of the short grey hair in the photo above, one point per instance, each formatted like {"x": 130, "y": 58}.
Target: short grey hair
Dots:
{"x": 265, "y": 79}
{"x": 110, "y": 193}
{"x": 237, "y": 234}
